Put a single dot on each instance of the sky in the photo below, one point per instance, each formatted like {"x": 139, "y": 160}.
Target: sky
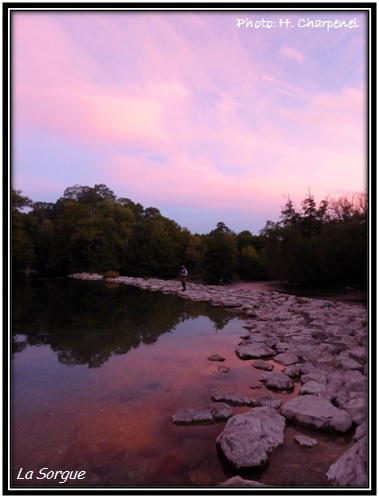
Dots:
{"x": 209, "y": 116}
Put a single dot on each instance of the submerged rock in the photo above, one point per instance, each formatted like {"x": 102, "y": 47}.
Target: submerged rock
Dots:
{"x": 249, "y": 438}
{"x": 223, "y": 369}
{"x": 216, "y": 357}
{"x": 305, "y": 441}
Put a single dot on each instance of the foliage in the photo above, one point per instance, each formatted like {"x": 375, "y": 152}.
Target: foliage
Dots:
{"x": 90, "y": 229}
{"x": 111, "y": 274}
{"x": 324, "y": 245}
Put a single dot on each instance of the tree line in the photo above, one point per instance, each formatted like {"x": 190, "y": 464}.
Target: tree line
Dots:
{"x": 89, "y": 229}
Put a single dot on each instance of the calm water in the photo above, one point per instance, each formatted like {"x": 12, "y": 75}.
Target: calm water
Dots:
{"x": 97, "y": 372}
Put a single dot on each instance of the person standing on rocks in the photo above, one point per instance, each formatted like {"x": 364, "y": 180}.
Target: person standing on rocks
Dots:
{"x": 184, "y": 276}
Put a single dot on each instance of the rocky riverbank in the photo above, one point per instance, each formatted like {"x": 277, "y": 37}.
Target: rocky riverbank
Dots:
{"x": 319, "y": 343}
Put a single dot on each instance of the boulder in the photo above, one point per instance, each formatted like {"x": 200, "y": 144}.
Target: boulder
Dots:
{"x": 293, "y": 371}
{"x": 357, "y": 407}
{"x": 316, "y": 413}
{"x": 262, "y": 365}
{"x": 250, "y": 350}
{"x": 277, "y": 381}
{"x": 249, "y": 438}
{"x": 286, "y": 358}
{"x": 351, "y": 468}
{"x": 312, "y": 387}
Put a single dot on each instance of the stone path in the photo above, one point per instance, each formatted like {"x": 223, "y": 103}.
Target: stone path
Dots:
{"x": 320, "y": 343}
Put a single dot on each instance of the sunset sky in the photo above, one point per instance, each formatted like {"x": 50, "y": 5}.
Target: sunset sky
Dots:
{"x": 189, "y": 113}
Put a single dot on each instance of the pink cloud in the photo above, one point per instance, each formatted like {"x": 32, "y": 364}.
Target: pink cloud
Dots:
{"x": 190, "y": 89}
{"x": 292, "y": 53}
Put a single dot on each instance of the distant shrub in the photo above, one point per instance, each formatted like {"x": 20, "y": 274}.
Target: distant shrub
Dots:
{"x": 111, "y": 274}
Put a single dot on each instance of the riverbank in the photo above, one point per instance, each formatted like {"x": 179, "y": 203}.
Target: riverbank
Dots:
{"x": 341, "y": 294}
{"x": 320, "y": 343}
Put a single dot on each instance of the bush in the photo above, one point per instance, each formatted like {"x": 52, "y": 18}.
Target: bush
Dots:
{"x": 111, "y": 274}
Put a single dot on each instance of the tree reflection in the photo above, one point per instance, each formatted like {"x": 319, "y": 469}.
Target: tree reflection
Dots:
{"x": 86, "y": 323}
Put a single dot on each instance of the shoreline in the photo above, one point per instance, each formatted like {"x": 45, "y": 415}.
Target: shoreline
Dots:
{"x": 320, "y": 343}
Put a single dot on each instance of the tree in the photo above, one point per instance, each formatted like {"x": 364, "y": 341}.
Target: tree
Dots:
{"x": 321, "y": 245}
{"x": 289, "y": 216}
{"x": 220, "y": 254}
{"x": 194, "y": 254}
{"x": 22, "y": 245}
{"x": 19, "y": 202}
{"x": 250, "y": 261}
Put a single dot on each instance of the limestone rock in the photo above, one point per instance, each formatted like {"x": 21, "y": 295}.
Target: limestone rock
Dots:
{"x": 249, "y": 438}
{"x": 262, "y": 365}
{"x": 270, "y": 401}
{"x": 220, "y": 411}
{"x": 250, "y": 350}
{"x": 312, "y": 387}
{"x": 216, "y": 357}
{"x": 351, "y": 468}
{"x": 215, "y": 412}
{"x": 316, "y": 413}
{"x": 193, "y": 416}
{"x": 233, "y": 399}
{"x": 286, "y": 358}
{"x": 293, "y": 371}
{"x": 277, "y": 381}
{"x": 305, "y": 441}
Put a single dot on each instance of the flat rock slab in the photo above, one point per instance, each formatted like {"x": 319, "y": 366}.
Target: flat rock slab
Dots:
{"x": 249, "y": 350}
{"x": 193, "y": 416}
{"x": 215, "y": 412}
{"x": 316, "y": 413}
{"x": 233, "y": 399}
{"x": 277, "y": 381}
{"x": 220, "y": 411}
{"x": 216, "y": 357}
{"x": 249, "y": 438}
{"x": 262, "y": 365}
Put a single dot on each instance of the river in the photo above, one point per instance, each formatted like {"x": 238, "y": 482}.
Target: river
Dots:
{"x": 99, "y": 369}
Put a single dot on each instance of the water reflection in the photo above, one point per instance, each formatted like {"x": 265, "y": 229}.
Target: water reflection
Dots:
{"x": 114, "y": 422}
{"x": 86, "y": 323}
